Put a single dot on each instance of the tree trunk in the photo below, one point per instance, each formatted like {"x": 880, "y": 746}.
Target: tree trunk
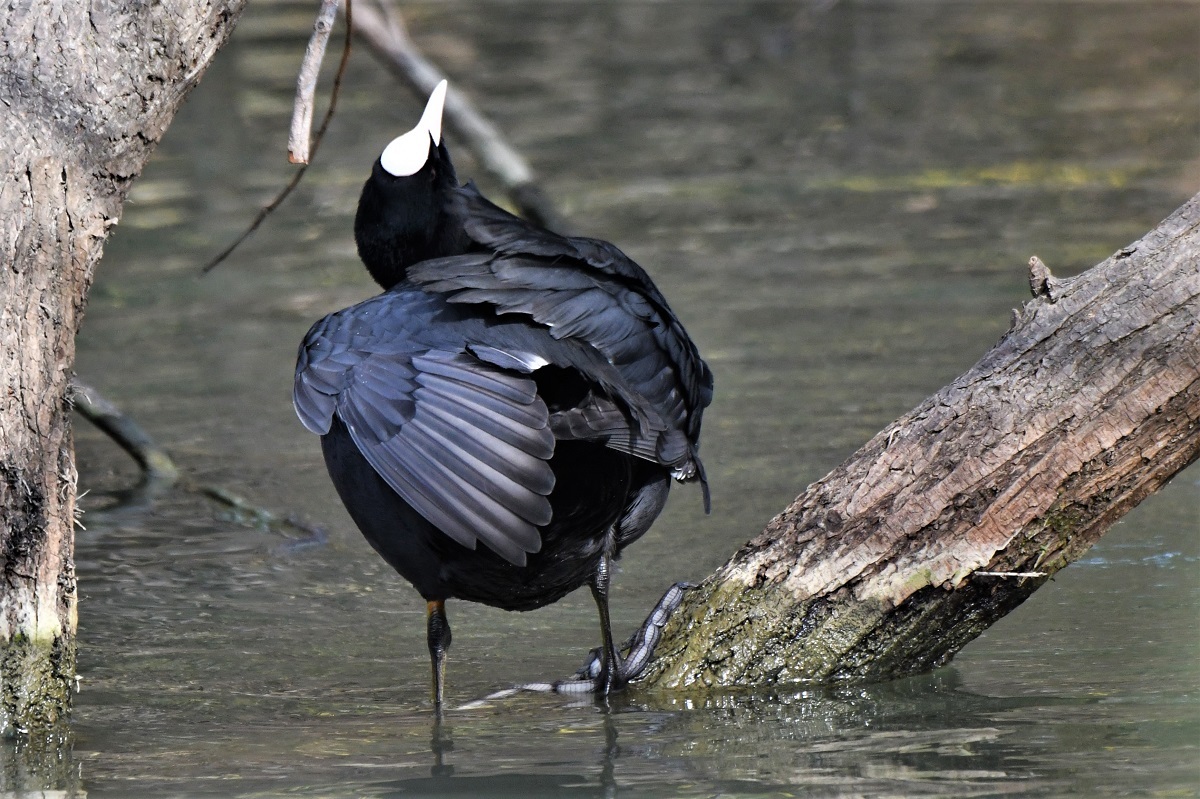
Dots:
{"x": 86, "y": 91}
{"x": 921, "y": 540}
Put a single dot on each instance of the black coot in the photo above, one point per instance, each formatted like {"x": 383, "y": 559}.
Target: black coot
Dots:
{"x": 507, "y": 416}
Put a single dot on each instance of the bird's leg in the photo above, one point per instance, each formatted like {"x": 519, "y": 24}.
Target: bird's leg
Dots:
{"x": 438, "y": 628}
{"x": 640, "y": 646}
{"x": 605, "y": 670}
{"x": 609, "y": 678}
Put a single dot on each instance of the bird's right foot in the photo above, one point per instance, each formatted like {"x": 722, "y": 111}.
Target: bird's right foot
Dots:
{"x": 635, "y": 654}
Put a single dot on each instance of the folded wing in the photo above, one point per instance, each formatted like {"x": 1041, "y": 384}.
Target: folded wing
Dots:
{"x": 588, "y": 291}
{"x": 465, "y": 443}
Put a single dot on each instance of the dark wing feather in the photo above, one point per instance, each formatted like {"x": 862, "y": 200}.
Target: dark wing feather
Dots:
{"x": 497, "y": 230}
{"x": 601, "y": 419}
{"x": 588, "y": 291}
{"x": 463, "y": 442}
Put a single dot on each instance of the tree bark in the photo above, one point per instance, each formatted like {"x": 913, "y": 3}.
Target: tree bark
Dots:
{"x": 949, "y": 518}
{"x": 86, "y": 91}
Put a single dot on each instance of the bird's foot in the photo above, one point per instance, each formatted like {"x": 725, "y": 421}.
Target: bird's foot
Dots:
{"x": 634, "y": 654}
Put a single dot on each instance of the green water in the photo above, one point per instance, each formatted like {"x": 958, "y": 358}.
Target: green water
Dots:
{"x": 839, "y": 198}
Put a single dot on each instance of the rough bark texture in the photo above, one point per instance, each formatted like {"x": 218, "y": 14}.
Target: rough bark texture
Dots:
{"x": 86, "y": 91}
{"x": 1090, "y": 403}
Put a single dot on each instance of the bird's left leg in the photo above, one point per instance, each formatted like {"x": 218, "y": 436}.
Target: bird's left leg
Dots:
{"x": 638, "y": 649}
{"x": 597, "y": 675}
{"x": 609, "y": 678}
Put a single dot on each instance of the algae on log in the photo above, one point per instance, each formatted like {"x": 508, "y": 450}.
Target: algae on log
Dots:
{"x": 87, "y": 90}
{"x": 926, "y": 536}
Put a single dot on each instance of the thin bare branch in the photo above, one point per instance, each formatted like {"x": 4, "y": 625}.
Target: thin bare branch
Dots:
{"x": 295, "y": 181}
{"x": 306, "y": 84}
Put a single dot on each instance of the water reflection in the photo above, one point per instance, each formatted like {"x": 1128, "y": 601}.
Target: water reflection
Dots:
{"x": 925, "y": 736}
{"x": 42, "y": 765}
{"x": 440, "y": 782}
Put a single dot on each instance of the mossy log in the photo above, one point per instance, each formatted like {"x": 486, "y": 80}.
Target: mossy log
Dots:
{"x": 951, "y": 516}
{"x": 87, "y": 90}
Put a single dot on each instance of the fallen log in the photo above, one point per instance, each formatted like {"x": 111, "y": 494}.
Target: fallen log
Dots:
{"x": 955, "y": 513}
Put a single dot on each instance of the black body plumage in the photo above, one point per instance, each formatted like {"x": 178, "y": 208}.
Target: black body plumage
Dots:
{"x": 511, "y": 410}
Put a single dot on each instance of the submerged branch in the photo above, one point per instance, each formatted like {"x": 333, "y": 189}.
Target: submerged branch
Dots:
{"x": 159, "y": 472}
{"x": 157, "y": 466}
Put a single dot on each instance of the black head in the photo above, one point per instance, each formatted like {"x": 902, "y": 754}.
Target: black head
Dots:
{"x": 401, "y": 217}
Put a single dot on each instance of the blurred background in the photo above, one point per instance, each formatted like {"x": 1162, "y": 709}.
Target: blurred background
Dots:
{"x": 839, "y": 199}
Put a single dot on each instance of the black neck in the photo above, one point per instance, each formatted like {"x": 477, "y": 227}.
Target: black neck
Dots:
{"x": 403, "y": 221}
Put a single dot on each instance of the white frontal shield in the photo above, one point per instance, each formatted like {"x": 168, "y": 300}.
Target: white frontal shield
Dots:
{"x": 406, "y": 154}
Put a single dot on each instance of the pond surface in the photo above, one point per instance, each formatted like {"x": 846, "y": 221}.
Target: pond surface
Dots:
{"x": 839, "y": 198}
